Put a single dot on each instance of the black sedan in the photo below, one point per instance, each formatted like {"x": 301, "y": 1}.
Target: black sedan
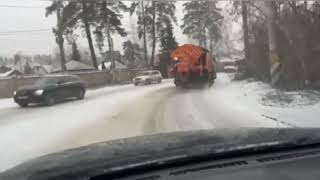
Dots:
{"x": 50, "y": 89}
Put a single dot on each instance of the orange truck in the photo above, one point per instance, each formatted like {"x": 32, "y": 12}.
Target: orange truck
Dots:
{"x": 192, "y": 65}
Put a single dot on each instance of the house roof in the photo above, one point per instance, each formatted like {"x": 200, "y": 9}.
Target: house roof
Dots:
{"x": 120, "y": 65}
{"x": 4, "y": 68}
{"x": 47, "y": 68}
{"x": 75, "y": 65}
{"x": 1, "y": 65}
{"x": 9, "y": 73}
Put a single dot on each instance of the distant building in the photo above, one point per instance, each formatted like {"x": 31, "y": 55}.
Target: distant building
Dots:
{"x": 76, "y": 66}
{"x": 38, "y": 69}
{"x": 4, "y": 69}
{"x": 120, "y": 65}
{"x": 10, "y": 73}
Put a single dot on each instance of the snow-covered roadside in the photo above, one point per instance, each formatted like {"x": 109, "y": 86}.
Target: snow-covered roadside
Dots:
{"x": 30, "y": 132}
{"x": 303, "y": 109}
{"x": 7, "y": 103}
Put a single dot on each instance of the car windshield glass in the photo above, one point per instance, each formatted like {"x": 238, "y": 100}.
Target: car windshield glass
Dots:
{"x": 146, "y": 73}
{"x": 46, "y": 81}
{"x": 111, "y": 69}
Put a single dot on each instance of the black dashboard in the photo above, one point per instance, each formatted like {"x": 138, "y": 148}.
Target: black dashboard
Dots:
{"x": 295, "y": 165}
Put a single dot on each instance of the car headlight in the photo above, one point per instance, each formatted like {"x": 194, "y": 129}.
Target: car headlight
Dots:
{"x": 14, "y": 93}
{"x": 38, "y": 92}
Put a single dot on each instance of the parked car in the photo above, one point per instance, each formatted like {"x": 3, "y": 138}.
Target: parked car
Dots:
{"x": 148, "y": 77}
{"x": 50, "y": 89}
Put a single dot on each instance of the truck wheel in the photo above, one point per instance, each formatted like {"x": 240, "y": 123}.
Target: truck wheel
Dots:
{"x": 23, "y": 104}
{"x": 49, "y": 100}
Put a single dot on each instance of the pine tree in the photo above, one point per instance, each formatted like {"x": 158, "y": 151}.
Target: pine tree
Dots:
{"x": 150, "y": 18}
{"x": 167, "y": 39}
{"x": 132, "y": 53}
{"x": 108, "y": 23}
{"x": 88, "y": 16}
{"x": 75, "y": 52}
{"x": 202, "y": 21}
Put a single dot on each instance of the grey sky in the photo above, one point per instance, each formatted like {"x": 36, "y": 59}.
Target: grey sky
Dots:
{"x": 20, "y": 19}
{"x": 43, "y": 42}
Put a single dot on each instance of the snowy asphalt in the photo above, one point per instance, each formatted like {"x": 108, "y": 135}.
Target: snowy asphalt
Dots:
{"x": 118, "y": 112}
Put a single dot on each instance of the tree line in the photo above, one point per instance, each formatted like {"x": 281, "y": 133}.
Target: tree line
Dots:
{"x": 101, "y": 20}
{"x": 281, "y": 41}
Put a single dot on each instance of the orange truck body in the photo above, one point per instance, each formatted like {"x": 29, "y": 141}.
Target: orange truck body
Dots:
{"x": 192, "y": 64}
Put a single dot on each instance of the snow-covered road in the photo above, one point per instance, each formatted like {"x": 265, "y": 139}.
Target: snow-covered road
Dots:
{"x": 118, "y": 112}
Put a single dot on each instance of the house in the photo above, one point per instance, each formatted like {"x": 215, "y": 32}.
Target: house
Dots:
{"x": 120, "y": 65}
{"x": 10, "y": 73}
{"x": 4, "y": 69}
{"x": 76, "y": 66}
{"x": 23, "y": 65}
{"x": 38, "y": 69}
{"x": 48, "y": 68}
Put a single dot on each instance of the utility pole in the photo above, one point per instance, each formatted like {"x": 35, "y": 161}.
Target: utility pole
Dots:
{"x": 275, "y": 62}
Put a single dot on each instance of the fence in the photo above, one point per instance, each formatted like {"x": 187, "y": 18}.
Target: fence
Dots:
{"x": 91, "y": 78}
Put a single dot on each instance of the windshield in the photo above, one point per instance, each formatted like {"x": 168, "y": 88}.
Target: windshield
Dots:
{"x": 46, "y": 81}
{"x": 207, "y": 65}
{"x": 146, "y": 73}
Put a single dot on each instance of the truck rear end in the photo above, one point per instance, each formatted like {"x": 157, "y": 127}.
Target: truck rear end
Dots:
{"x": 193, "y": 65}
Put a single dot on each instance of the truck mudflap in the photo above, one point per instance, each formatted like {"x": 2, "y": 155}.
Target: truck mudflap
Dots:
{"x": 211, "y": 78}
{"x": 190, "y": 79}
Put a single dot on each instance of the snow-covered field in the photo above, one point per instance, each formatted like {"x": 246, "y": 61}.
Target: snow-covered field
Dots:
{"x": 126, "y": 111}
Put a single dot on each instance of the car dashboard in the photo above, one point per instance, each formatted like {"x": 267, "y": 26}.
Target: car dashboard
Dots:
{"x": 293, "y": 165}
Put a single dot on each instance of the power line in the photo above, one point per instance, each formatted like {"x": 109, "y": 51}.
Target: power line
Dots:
{"x": 26, "y": 7}
{"x": 4, "y": 33}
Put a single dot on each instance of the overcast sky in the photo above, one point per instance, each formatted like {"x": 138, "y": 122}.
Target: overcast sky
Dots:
{"x": 18, "y": 17}
{"x": 29, "y": 15}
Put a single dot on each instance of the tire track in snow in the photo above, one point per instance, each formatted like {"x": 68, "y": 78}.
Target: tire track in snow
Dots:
{"x": 51, "y": 129}
{"x": 127, "y": 121}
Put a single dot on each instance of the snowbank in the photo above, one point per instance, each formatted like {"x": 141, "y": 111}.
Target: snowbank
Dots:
{"x": 296, "y": 109}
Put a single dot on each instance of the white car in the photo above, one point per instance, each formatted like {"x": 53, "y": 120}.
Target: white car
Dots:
{"x": 148, "y": 77}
